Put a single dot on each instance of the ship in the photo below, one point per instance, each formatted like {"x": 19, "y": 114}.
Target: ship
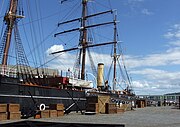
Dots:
{"x": 34, "y": 87}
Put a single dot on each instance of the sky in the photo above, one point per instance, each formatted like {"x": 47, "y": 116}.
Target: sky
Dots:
{"x": 148, "y": 31}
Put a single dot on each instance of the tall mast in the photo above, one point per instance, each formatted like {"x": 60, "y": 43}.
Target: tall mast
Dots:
{"x": 115, "y": 54}
{"x": 84, "y": 37}
{"x": 10, "y": 18}
{"x": 83, "y": 43}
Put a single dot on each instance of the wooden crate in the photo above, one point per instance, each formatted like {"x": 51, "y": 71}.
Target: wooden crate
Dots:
{"x": 60, "y": 113}
{"x": 52, "y": 113}
{"x": 44, "y": 114}
{"x": 56, "y": 107}
{"x": 110, "y": 105}
{"x": 3, "y": 115}
{"x": 14, "y": 115}
{"x": 37, "y": 116}
{"x": 110, "y": 108}
{"x": 119, "y": 110}
{"x": 3, "y": 108}
{"x": 112, "y": 111}
{"x": 13, "y": 107}
{"x": 101, "y": 100}
{"x": 93, "y": 107}
{"x": 141, "y": 103}
{"x": 126, "y": 107}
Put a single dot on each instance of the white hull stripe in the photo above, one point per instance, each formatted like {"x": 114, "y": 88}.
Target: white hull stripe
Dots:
{"x": 41, "y": 97}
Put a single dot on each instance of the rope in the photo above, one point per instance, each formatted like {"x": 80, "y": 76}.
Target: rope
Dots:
{"x": 31, "y": 32}
{"x": 40, "y": 34}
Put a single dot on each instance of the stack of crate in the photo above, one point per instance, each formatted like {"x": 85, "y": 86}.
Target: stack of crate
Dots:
{"x": 3, "y": 112}
{"x": 14, "y": 112}
{"x": 57, "y": 109}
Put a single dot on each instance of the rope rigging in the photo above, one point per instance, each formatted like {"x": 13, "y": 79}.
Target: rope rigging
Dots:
{"x": 22, "y": 62}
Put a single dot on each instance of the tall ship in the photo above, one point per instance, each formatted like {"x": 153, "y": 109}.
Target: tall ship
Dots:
{"x": 31, "y": 86}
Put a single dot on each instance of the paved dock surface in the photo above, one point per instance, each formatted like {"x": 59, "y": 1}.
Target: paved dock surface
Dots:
{"x": 140, "y": 117}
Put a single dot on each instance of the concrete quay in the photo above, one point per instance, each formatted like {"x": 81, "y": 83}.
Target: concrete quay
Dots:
{"x": 141, "y": 117}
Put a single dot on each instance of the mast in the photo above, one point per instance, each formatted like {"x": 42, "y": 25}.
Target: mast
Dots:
{"x": 115, "y": 54}
{"x": 83, "y": 42}
{"x": 83, "y": 38}
{"x": 10, "y": 18}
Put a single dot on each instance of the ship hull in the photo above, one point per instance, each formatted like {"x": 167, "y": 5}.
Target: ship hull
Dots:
{"x": 30, "y": 97}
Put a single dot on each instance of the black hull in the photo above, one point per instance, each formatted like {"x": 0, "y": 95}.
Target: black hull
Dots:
{"x": 13, "y": 92}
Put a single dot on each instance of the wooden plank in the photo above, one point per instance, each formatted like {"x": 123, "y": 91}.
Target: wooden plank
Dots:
{"x": 14, "y": 115}
{"x": 60, "y": 113}
{"x": 3, "y": 107}
{"x": 3, "y": 116}
{"x": 44, "y": 114}
{"x": 13, "y": 107}
{"x": 52, "y": 113}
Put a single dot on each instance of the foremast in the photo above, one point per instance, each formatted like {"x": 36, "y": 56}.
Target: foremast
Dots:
{"x": 10, "y": 19}
{"x": 23, "y": 71}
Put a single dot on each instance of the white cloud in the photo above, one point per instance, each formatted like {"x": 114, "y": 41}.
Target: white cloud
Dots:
{"x": 170, "y": 57}
{"x": 176, "y": 26}
{"x": 174, "y": 32}
{"x": 169, "y": 35}
{"x": 139, "y": 84}
{"x": 159, "y": 80}
{"x": 158, "y": 75}
{"x": 175, "y": 43}
{"x": 146, "y": 12}
{"x": 55, "y": 48}
{"x": 61, "y": 61}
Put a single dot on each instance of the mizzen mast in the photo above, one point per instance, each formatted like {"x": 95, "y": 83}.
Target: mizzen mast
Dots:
{"x": 115, "y": 56}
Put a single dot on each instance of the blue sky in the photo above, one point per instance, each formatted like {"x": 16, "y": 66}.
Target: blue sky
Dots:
{"x": 149, "y": 31}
